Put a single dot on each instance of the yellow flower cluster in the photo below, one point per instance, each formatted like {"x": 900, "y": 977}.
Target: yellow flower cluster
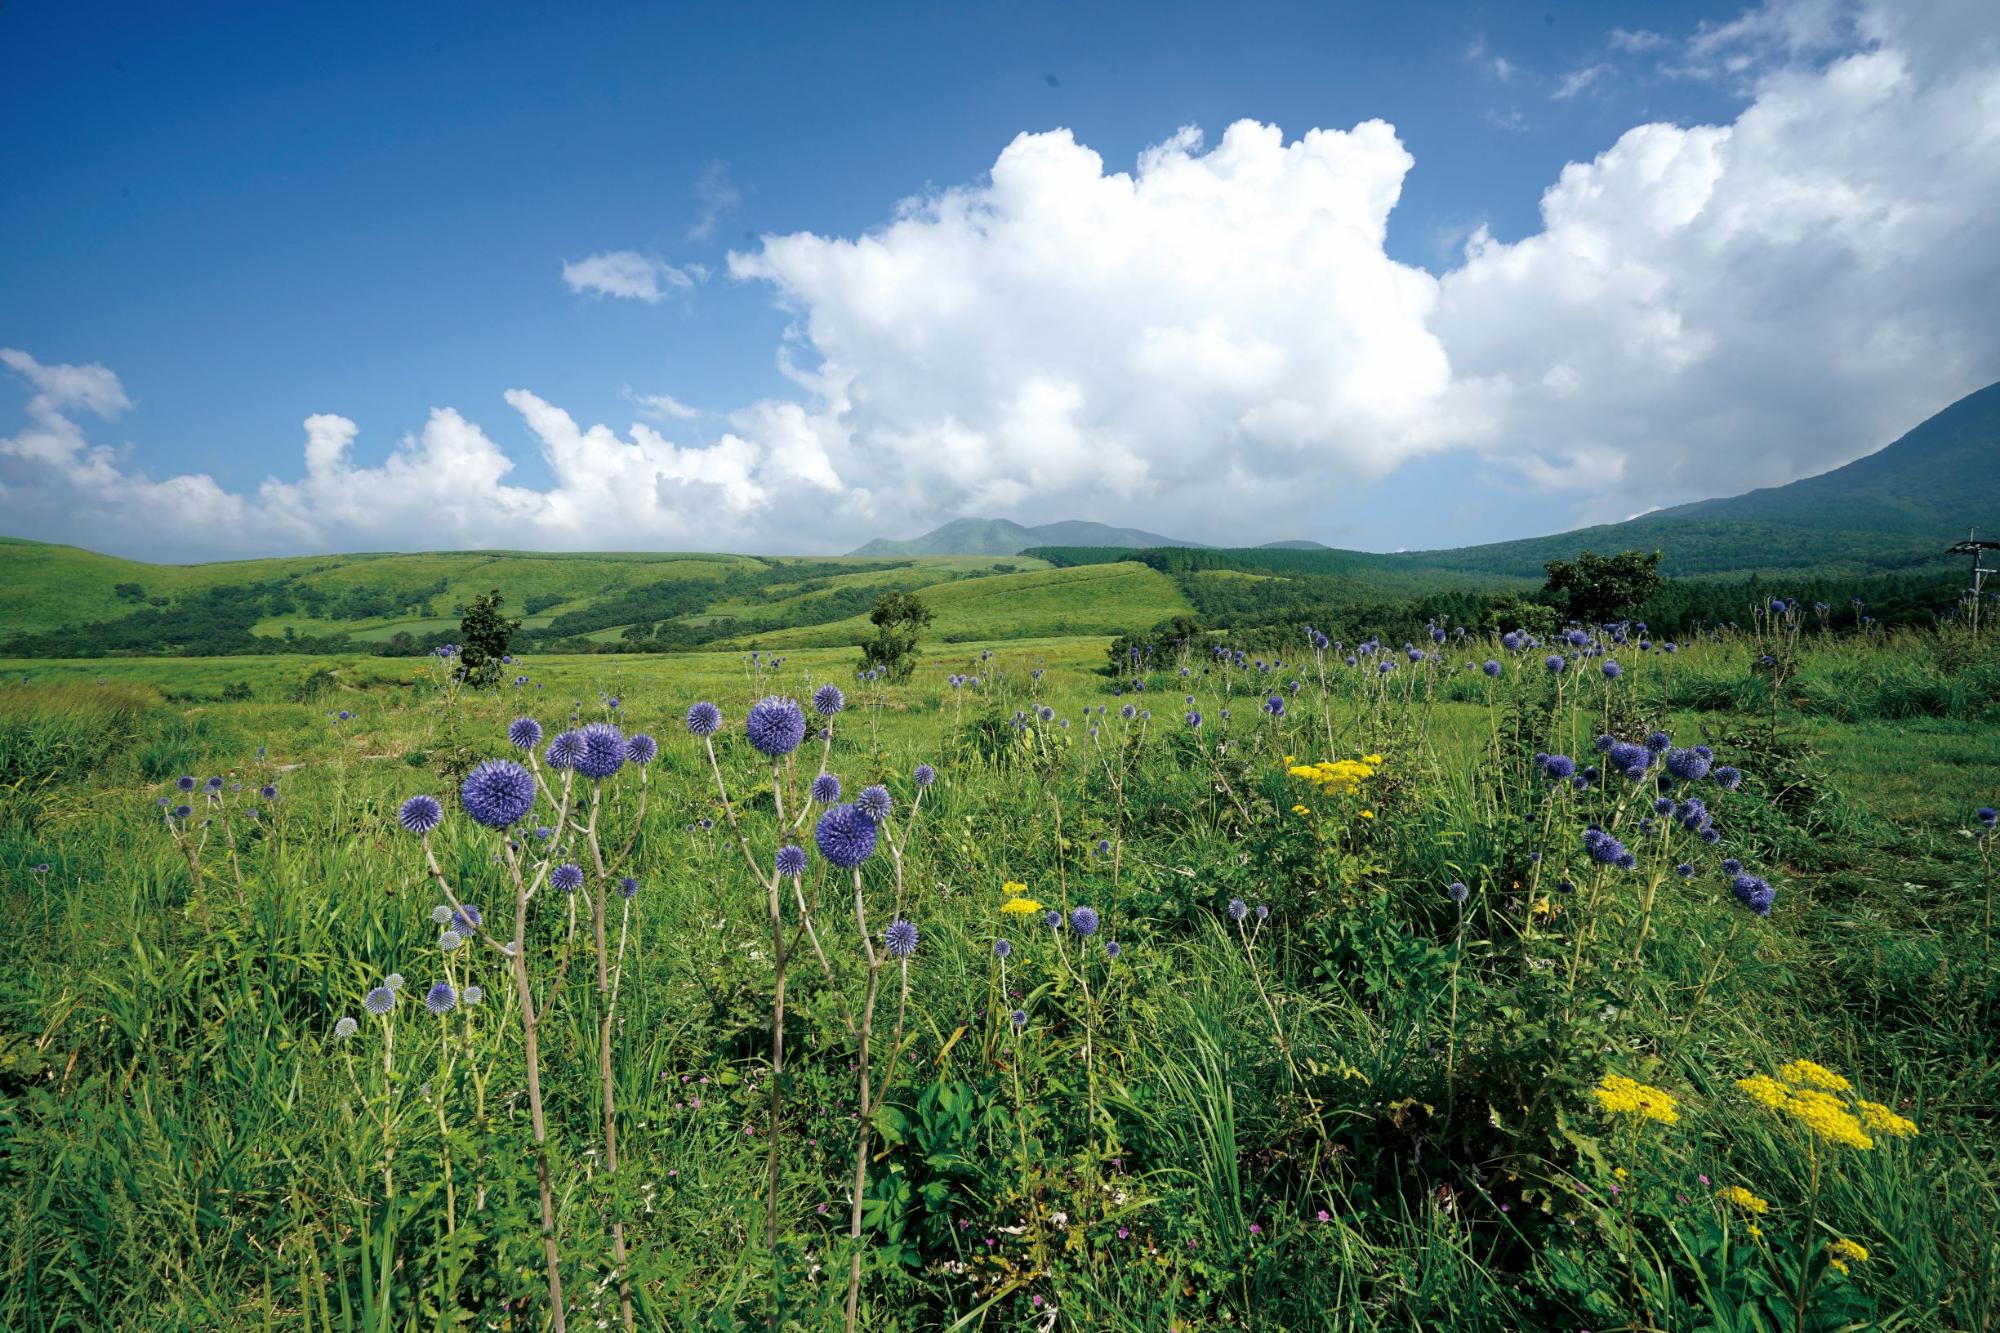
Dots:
{"x": 1742, "y": 1198}
{"x": 1017, "y": 902}
{"x": 1625, "y": 1096}
{"x": 1338, "y": 777}
{"x": 1843, "y": 1250}
{"x": 1807, "y": 1093}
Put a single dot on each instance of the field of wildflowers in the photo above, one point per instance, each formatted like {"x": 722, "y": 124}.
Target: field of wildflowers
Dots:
{"x": 1472, "y": 982}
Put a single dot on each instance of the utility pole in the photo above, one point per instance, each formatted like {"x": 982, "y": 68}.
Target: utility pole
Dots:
{"x": 1977, "y": 549}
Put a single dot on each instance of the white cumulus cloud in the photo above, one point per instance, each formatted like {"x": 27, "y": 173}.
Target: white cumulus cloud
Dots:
{"x": 627, "y": 273}
{"x": 1216, "y": 342}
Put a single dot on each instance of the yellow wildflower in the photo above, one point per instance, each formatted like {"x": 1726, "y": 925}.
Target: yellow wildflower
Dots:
{"x": 1301, "y": 810}
{"x": 1822, "y": 1113}
{"x": 1756, "y": 1231}
{"x": 1368, "y": 814}
{"x": 1020, "y": 906}
{"x": 1374, "y": 760}
{"x": 1742, "y": 1198}
{"x": 1837, "y": 1266}
{"x": 1884, "y": 1121}
{"x": 1624, "y": 1096}
{"x": 1806, "y": 1074}
{"x": 1848, "y": 1249}
{"x": 1765, "y": 1089}
{"x": 1013, "y": 889}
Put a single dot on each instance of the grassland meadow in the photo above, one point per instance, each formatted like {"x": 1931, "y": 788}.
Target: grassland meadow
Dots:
{"x": 1474, "y": 982}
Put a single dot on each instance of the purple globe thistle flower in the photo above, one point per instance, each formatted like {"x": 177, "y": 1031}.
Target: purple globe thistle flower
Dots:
{"x": 1687, "y": 765}
{"x": 1128, "y": 712}
{"x": 498, "y": 793}
{"x": 185, "y": 782}
{"x": 1684, "y": 870}
{"x": 183, "y": 811}
{"x": 420, "y": 814}
{"x": 1657, "y": 741}
{"x": 1019, "y": 1018}
{"x": 1112, "y": 948}
{"x": 1605, "y": 849}
{"x": 1263, "y": 912}
{"x": 467, "y": 919}
{"x": 1604, "y": 742}
{"x": 379, "y": 1001}
{"x": 1753, "y": 893}
{"x": 1513, "y": 640}
{"x": 1002, "y": 948}
{"x": 1662, "y": 806}
{"x": 1083, "y": 920}
{"x": 826, "y": 789}
{"x": 524, "y": 733}
{"x": 1457, "y": 891}
{"x": 1988, "y": 816}
{"x": 1611, "y": 669}
{"x": 1554, "y": 662}
{"x": 543, "y": 833}
{"x": 1385, "y": 666}
{"x": 791, "y": 860}
{"x": 1275, "y": 706}
{"x": 603, "y": 751}
{"x": 1193, "y": 719}
{"x": 214, "y": 784}
{"x": 1727, "y": 778}
{"x": 1238, "y": 909}
{"x": 900, "y": 938}
{"x": 1052, "y": 919}
{"x": 776, "y": 724}
{"x": 268, "y": 792}
{"x": 1492, "y": 668}
{"x": 345, "y": 1028}
{"x": 564, "y": 750}
{"x": 828, "y": 700}
{"x": 628, "y": 887}
{"x": 704, "y": 719}
{"x": 845, "y": 836}
{"x": 641, "y": 749}
{"x": 1710, "y": 835}
{"x": 441, "y": 999}
{"x": 1732, "y": 866}
{"x": 1627, "y": 757}
{"x": 568, "y": 877}
{"x": 1559, "y": 766}
{"x": 874, "y": 802}
{"x": 924, "y": 775}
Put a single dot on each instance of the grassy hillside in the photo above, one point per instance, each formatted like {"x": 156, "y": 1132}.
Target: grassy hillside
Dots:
{"x": 1093, "y": 599}
{"x": 1000, "y": 536}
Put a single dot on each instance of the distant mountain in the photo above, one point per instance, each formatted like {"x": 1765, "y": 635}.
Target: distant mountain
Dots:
{"x": 1897, "y": 508}
{"x": 1000, "y": 536}
{"x": 1297, "y": 544}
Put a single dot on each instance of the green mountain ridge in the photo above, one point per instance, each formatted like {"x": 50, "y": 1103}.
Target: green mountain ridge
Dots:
{"x": 1002, "y": 536}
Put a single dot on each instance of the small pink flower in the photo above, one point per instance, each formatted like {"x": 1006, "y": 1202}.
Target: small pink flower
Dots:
{"x": 964, "y": 1222}
{"x": 822, "y": 1210}
{"x": 1038, "y": 1302}
{"x": 1190, "y": 1242}
{"x": 1123, "y": 1232}
{"x": 989, "y": 1242}
{"x": 1256, "y": 1230}
{"x": 1702, "y": 1179}
{"x": 1324, "y": 1215}
{"x": 673, "y": 1173}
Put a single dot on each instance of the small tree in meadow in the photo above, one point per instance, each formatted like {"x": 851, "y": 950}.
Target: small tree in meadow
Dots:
{"x": 1598, "y": 589}
{"x": 483, "y": 638}
{"x": 898, "y": 619}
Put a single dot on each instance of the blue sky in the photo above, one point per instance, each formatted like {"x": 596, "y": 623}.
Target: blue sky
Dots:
{"x": 252, "y": 215}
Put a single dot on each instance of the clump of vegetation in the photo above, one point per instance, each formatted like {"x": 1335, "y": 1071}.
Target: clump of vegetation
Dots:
{"x": 899, "y": 618}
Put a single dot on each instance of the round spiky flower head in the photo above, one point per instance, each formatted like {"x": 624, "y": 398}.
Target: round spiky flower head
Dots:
{"x": 268, "y": 792}
{"x": 874, "y": 802}
{"x": 603, "y": 751}
{"x": 450, "y": 940}
{"x": 467, "y": 919}
{"x": 379, "y": 1001}
{"x": 1238, "y": 909}
{"x": 345, "y": 1028}
{"x": 498, "y": 793}
{"x": 1687, "y": 765}
{"x": 828, "y": 700}
{"x": 394, "y": 981}
{"x": 1754, "y": 893}
{"x": 420, "y": 814}
{"x": 441, "y": 999}
{"x": 704, "y": 719}
{"x": 1002, "y": 948}
{"x": 641, "y": 748}
{"x": 564, "y": 750}
{"x": 440, "y": 915}
{"x": 1611, "y": 669}
{"x": 845, "y": 836}
{"x": 472, "y": 995}
{"x": 1684, "y": 870}
{"x": 1492, "y": 668}
{"x": 776, "y": 724}
{"x": 1727, "y": 778}
{"x": 924, "y": 775}
{"x": 1083, "y": 920}
{"x": 1554, "y": 662}
{"x": 791, "y": 859}
{"x": 568, "y": 877}
{"x": 628, "y": 887}
{"x": 524, "y": 733}
{"x": 825, "y": 789}
{"x": 1019, "y": 1018}
{"x": 1457, "y": 892}
{"x": 1988, "y": 816}
{"x": 1052, "y": 919}
{"x": 900, "y": 938}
